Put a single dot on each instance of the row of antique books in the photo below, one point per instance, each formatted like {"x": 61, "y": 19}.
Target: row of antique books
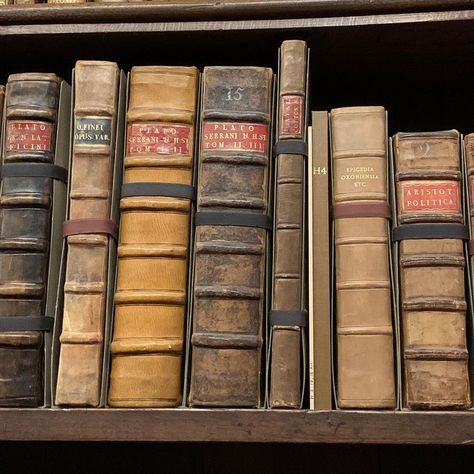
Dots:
{"x": 170, "y": 238}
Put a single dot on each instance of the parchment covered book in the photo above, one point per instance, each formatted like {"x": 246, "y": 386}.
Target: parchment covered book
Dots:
{"x": 363, "y": 302}
{"x": 85, "y": 287}
{"x": 152, "y": 273}
{"x": 25, "y": 225}
{"x": 432, "y": 269}
{"x": 287, "y": 316}
{"x": 231, "y": 237}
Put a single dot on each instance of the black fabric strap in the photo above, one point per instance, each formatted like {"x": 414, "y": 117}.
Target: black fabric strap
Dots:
{"x": 288, "y": 318}
{"x": 34, "y": 170}
{"x": 159, "y": 189}
{"x": 290, "y": 147}
{"x": 26, "y": 323}
{"x": 430, "y": 231}
{"x": 244, "y": 219}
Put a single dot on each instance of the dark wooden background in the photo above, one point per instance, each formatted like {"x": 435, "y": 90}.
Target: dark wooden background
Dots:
{"x": 212, "y": 458}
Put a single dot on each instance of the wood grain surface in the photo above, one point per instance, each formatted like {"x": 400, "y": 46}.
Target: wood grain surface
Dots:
{"x": 218, "y": 425}
{"x": 188, "y": 10}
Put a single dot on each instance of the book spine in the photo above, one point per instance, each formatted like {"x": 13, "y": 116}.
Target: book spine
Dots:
{"x": 85, "y": 287}
{"x": 25, "y": 222}
{"x": 287, "y": 294}
{"x": 320, "y": 355}
{"x": 229, "y": 271}
{"x": 433, "y": 303}
{"x": 362, "y": 271}
{"x": 151, "y": 292}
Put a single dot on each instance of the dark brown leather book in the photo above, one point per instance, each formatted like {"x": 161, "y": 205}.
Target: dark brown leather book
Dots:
{"x": 431, "y": 269}
{"x": 230, "y": 250}
{"x": 286, "y": 317}
{"x": 25, "y": 221}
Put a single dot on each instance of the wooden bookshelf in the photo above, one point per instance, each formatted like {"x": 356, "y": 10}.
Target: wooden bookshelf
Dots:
{"x": 255, "y": 426}
{"x": 413, "y": 57}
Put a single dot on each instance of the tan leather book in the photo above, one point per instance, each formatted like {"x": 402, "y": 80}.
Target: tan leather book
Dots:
{"x": 431, "y": 270}
{"x": 319, "y": 265}
{"x": 231, "y": 237}
{"x": 151, "y": 292}
{"x": 286, "y": 373}
{"x": 365, "y": 361}
{"x": 85, "y": 287}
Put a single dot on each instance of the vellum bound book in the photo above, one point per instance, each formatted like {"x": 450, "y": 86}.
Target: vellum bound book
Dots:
{"x": 363, "y": 302}
{"x": 152, "y": 273}
{"x": 85, "y": 288}
{"x": 432, "y": 265}
{"x": 287, "y": 317}
{"x": 231, "y": 237}
{"x": 25, "y": 226}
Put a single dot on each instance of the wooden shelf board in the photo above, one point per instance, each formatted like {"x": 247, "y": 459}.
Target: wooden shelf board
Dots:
{"x": 228, "y": 425}
{"x": 240, "y": 25}
{"x": 214, "y": 9}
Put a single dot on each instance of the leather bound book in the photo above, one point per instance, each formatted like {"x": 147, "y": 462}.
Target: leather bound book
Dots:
{"x": 152, "y": 274}
{"x": 286, "y": 333}
{"x": 365, "y": 361}
{"x": 25, "y": 225}
{"x": 431, "y": 270}
{"x": 85, "y": 287}
{"x": 230, "y": 249}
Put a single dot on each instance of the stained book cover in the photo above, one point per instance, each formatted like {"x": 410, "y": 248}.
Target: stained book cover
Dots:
{"x": 230, "y": 260}
{"x": 365, "y": 368}
{"x": 432, "y": 306}
{"x": 85, "y": 289}
{"x": 25, "y": 230}
{"x": 287, "y": 316}
{"x": 152, "y": 274}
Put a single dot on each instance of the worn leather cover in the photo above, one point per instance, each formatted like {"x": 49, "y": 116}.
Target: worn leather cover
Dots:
{"x": 229, "y": 272}
{"x": 365, "y": 361}
{"x": 25, "y": 222}
{"x": 433, "y": 302}
{"x": 286, "y": 342}
{"x": 152, "y": 278}
{"x": 85, "y": 287}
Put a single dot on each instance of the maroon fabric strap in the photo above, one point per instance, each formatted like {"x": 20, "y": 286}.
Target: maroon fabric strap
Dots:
{"x": 90, "y": 226}
{"x": 344, "y": 210}
{"x": 471, "y": 248}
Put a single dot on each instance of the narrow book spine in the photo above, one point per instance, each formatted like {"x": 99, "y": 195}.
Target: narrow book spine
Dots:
{"x": 229, "y": 272}
{"x": 151, "y": 293}
{"x": 287, "y": 294}
{"x": 25, "y": 223}
{"x": 362, "y": 271}
{"x": 319, "y": 289}
{"x": 433, "y": 303}
{"x": 85, "y": 287}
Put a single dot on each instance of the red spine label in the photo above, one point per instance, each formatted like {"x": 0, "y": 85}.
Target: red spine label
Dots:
{"x": 160, "y": 139}
{"x": 28, "y": 135}
{"x": 230, "y": 136}
{"x": 291, "y": 115}
{"x": 434, "y": 196}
